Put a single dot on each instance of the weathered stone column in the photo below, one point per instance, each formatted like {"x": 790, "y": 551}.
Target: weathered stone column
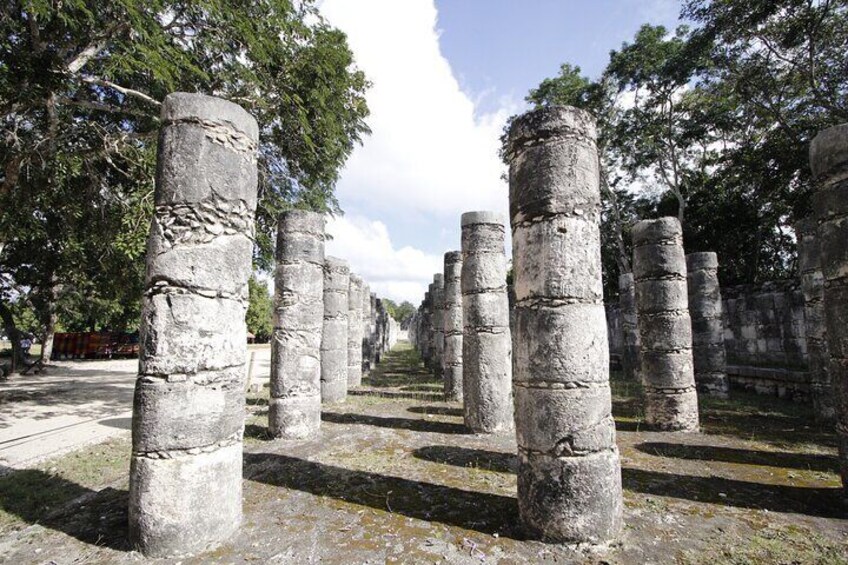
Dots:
{"x": 665, "y": 329}
{"x": 829, "y": 161}
{"x": 354, "y": 332}
{"x": 486, "y": 341}
{"x": 188, "y": 410}
{"x": 334, "y": 333}
{"x": 629, "y": 329}
{"x": 295, "y": 404}
{"x": 812, "y": 285}
{"x": 366, "y": 329}
{"x": 569, "y": 476}
{"x": 452, "y": 365}
{"x": 372, "y": 329}
{"x": 708, "y": 354}
{"x": 379, "y": 329}
{"x": 438, "y": 321}
{"x": 424, "y": 333}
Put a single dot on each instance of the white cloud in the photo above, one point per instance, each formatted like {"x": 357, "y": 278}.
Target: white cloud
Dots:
{"x": 429, "y": 153}
{"x": 399, "y": 274}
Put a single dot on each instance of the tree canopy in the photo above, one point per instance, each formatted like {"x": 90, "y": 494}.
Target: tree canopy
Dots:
{"x": 81, "y": 85}
{"x": 711, "y": 123}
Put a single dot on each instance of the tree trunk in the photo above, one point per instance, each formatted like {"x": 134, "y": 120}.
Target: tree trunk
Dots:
{"x": 14, "y": 336}
{"x": 48, "y": 335}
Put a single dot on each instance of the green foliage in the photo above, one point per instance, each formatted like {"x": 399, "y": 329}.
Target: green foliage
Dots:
{"x": 260, "y": 310}
{"x": 81, "y": 83}
{"x": 712, "y": 124}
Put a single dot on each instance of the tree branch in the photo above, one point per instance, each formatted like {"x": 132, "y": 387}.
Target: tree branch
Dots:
{"x": 123, "y": 90}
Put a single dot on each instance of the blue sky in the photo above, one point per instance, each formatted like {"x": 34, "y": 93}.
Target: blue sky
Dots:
{"x": 446, "y": 75}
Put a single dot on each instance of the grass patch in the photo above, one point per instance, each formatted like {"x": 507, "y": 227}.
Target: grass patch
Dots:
{"x": 31, "y": 495}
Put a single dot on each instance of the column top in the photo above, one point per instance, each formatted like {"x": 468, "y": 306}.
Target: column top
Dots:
{"x": 701, "y": 261}
{"x": 179, "y": 106}
{"x": 652, "y": 231}
{"x": 541, "y": 124}
{"x": 829, "y": 151}
{"x": 482, "y": 217}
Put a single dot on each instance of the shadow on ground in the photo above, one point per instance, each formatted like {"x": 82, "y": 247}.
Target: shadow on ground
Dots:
{"x": 396, "y": 423}
{"x": 822, "y": 502}
{"x": 414, "y": 499}
{"x": 806, "y": 461}
{"x": 93, "y": 517}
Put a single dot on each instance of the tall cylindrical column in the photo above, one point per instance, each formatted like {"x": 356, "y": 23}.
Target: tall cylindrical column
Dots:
{"x": 486, "y": 341}
{"x": 452, "y": 365}
{"x": 665, "y": 330}
{"x": 829, "y": 161}
{"x": 366, "y": 328}
{"x": 188, "y": 410}
{"x": 708, "y": 354}
{"x": 569, "y": 476}
{"x": 295, "y": 404}
{"x": 438, "y": 295}
{"x": 354, "y": 332}
{"x": 334, "y": 333}
{"x": 812, "y": 286}
{"x": 629, "y": 329}
{"x": 372, "y": 329}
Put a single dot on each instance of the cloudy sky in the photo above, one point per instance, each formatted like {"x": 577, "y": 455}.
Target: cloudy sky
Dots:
{"x": 446, "y": 75}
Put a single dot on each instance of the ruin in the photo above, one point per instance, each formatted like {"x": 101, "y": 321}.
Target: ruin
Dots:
{"x": 295, "y": 403}
{"x": 486, "y": 340}
{"x": 452, "y": 358}
{"x": 812, "y": 286}
{"x": 569, "y": 476}
{"x": 354, "y": 332}
{"x": 366, "y": 329}
{"x": 665, "y": 330}
{"x": 188, "y": 409}
{"x": 829, "y": 163}
{"x": 437, "y": 321}
{"x": 705, "y": 309}
{"x": 629, "y": 328}
{"x": 334, "y": 343}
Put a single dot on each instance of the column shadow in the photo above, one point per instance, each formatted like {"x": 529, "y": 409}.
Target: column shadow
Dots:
{"x": 467, "y": 457}
{"x": 437, "y": 410}
{"x": 811, "y": 501}
{"x": 93, "y": 517}
{"x": 414, "y": 499}
{"x": 810, "y": 462}
{"x": 396, "y": 423}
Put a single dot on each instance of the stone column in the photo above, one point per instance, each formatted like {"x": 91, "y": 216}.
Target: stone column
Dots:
{"x": 188, "y": 410}
{"x": 334, "y": 333}
{"x": 486, "y": 341}
{"x": 295, "y": 404}
{"x": 354, "y": 332}
{"x": 424, "y": 332}
{"x": 829, "y": 161}
{"x": 438, "y": 295}
{"x": 569, "y": 476}
{"x": 379, "y": 329}
{"x": 366, "y": 328}
{"x": 452, "y": 365}
{"x": 812, "y": 286}
{"x": 708, "y": 354}
{"x": 629, "y": 329}
{"x": 372, "y": 330}
{"x": 665, "y": 329}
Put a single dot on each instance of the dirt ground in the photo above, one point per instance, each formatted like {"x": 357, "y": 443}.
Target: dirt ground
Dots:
{"x": 395, "y": 478}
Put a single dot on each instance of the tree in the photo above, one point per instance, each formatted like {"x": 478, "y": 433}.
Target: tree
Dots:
{"x": 712, "y": 124}
{"x": 81, "y": 83}
{"x": 260, "y": 310}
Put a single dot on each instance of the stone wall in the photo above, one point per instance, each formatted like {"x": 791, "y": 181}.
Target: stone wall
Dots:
{"x": 763, "y": 334}
{"x": 764, "y": 325}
